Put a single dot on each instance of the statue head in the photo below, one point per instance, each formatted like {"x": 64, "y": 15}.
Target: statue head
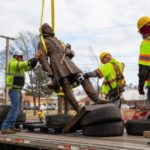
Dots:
{"x": 46, "y": 30}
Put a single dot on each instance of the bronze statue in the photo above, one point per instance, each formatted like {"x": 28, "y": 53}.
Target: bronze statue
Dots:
{"x": 58, "y": 64}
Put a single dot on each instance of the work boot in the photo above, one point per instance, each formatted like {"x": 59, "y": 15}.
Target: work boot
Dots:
{"x": 8, "y": 131}
{"x": 15, "y": 129}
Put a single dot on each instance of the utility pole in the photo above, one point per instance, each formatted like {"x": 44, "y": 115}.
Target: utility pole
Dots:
{"x": 7, "y": 56}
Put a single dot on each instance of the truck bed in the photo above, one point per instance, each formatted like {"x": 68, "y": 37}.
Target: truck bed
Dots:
{"x": 76, "y": 141}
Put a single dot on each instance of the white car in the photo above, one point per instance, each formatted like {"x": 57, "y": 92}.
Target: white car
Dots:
{"x": 43, "y": 107}
{"x": 125, "y": 106}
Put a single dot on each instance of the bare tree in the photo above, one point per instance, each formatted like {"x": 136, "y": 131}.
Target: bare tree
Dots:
{"x": 39, "y": 84}
{"x": 95, "y": 61}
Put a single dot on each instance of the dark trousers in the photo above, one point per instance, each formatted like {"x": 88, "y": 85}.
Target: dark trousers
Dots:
{"x": 66, "y": 86}
{"x": 148, "y": 94}
{"x": 15, "y": 109}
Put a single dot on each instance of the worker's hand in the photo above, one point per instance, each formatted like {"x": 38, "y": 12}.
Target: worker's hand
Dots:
{"x": 38, "y": 54}
{"x": 141, "y": 91}
{"x": 86, "y": 75}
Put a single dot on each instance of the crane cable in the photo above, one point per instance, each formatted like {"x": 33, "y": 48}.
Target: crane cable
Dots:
{"x": 41, "y": 20}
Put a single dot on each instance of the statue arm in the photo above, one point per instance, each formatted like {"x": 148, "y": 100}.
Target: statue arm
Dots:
{"x": 43, "y": 60}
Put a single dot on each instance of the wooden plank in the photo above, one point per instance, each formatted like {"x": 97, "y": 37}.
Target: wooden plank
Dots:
{"x": 74, "y": 123}
{"x": 146, "y": 134}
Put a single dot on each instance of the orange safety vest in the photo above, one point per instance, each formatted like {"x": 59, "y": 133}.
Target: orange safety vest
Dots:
{"x": 144, "y": 57}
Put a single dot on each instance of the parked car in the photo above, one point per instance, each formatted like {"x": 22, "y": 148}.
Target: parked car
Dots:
{"x": 30, "y": 107}
{"x": 125, "y": 106}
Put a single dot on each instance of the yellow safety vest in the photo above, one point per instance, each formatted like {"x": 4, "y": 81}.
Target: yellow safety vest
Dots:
{"x": 147, "y": 83}
{"x": 111, "y": 80}
{"x": 15, "y": 74}
{"x": 144, "y": 57}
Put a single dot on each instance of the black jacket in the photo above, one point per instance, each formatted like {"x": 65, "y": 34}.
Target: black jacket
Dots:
{"x": 144, "y": 74}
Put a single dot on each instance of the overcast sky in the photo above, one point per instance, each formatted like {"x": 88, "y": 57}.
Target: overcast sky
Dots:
{"x": 103, "y": 25}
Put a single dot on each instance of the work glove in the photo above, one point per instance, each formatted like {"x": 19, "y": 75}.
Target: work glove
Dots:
{"x": 87, "y": 75}
{"x": 90, "y": 74}
{"x": 141, "y": 91}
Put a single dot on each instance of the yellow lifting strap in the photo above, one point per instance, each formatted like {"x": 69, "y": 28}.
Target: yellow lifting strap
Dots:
{"x": 53, "y": 22}
{"x": 53, "y": 14}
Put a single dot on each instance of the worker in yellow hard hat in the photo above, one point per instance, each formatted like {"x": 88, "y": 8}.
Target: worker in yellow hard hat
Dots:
{"x": 112, "y": 72}
{"x": 104, "y": 55}
{"x": 143, "y": 25}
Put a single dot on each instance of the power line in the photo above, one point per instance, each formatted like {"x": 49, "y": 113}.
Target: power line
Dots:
{"x": 98, "y": 56}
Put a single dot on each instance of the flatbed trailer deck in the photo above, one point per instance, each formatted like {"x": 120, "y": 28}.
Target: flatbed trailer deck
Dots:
{"x": 73, "y": 141}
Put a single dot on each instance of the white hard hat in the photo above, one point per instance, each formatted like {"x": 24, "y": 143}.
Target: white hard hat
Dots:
{"x": 18, "y": 53}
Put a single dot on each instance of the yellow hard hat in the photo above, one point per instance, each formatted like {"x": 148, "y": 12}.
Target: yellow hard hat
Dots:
{"x": 142, "y": 22}
{"x": 103, "y": 54}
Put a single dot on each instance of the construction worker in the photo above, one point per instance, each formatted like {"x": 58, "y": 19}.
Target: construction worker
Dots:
{"x": 112, "y": 72}
{"x": 41, "y": 115}
{"x": 15, "y": 79}
{"x": 143, "y": 25}
{"x": 62, "y": 68}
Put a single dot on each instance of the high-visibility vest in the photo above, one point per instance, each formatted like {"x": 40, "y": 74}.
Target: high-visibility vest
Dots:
{"x": 15, "y": 74}
{"x": 144, "y": 57}
{"x": 147, "y": 82}
{"x": 111, "y": 80}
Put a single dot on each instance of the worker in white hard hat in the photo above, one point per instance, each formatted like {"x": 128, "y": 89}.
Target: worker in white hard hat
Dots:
{"x": 15, "y": 79}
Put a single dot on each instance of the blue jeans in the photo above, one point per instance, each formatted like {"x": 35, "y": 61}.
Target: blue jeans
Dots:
{"x": 148, "y": 94}
{"x": 15, "y": 109}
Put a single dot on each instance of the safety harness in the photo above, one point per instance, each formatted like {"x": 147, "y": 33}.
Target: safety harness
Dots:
{"x": 116, "y": 92}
